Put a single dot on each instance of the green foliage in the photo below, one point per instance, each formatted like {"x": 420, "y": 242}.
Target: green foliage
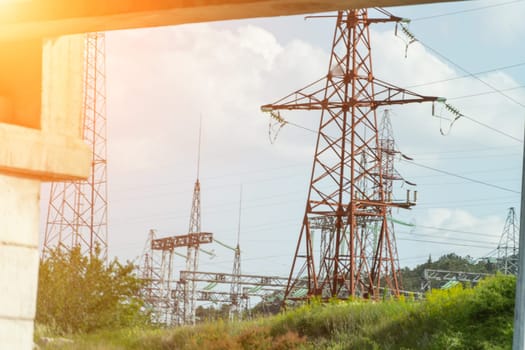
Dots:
{"x": 461, "y": 318}
{"x": 77, "y": 293}
{"x": 458, "y": 318}
{"x": 412, "y": 277}
{"x": 212, "y": 312}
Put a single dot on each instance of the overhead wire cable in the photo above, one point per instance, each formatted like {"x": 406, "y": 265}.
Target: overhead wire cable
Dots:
{"x": 469, "y": 156}
{"x": 461, "y": 177}
{"x": 474, "y": 76}
{"x": 443, "y": 243}
{"x": 458, "y": 66}
{"x": 485, "y": 93}
{"x": 456, "y": 231}
{"x": 467, "y": 10}
{"x": 503, "y": 133}
{"x": 467, "y": 75}
{"x": 476, "y": 150}
{"x": 455, "y": 239}
{"x": 443, "y": 171}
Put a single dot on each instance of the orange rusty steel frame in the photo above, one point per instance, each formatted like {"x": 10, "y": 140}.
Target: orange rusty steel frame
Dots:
{"x": 347, "y": 186}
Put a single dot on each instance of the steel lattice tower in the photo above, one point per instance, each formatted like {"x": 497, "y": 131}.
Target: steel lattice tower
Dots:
{"x": 508, "y": 247}
{"x": 235, "y": 287}
{"x": 387, "y": 147}
{"x": 157, "y": 272}
{"x": 192, "y": 255}
{"x": 347, "y": 179}
{"x": 77, "y": 211}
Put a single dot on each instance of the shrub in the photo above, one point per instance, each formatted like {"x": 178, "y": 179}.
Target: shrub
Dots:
{"x": 77, "y": 293}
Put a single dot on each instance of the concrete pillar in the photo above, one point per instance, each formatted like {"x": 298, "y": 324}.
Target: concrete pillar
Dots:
{"x": 19, "y": 216}
{"x": 40, "y": 140}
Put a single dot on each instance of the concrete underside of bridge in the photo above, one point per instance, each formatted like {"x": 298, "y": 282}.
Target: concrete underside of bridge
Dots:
{"x": 58, "y": 17}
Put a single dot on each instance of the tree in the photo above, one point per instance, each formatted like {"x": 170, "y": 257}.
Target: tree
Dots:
{"x": 79, "y": 293}
{"x": 412, "y": 278}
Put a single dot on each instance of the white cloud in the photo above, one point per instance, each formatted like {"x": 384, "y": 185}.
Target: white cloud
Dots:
{"x": 161, "y": 80}
{"x": 460, "y": 219}
{"x": 156, "y": 95}
{"x": 464, "y": 232}
{"x": 420, "y": 67}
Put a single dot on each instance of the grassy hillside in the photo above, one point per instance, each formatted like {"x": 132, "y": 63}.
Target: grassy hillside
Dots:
{"x": 478, "y": 318}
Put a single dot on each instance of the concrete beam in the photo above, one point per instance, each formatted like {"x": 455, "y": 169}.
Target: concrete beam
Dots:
{"x": 40, "y": 139}
{"x": 30, "y": 18}
{"x": 41, "y": 108}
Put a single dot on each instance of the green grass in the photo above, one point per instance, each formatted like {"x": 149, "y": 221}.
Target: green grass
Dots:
{"x": 478, "y": 318}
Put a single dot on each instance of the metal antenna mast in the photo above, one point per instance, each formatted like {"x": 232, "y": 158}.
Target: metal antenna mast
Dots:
{"x": 347, "y": 180}
{"x": 77, "y": 211}
{"x": 235, "y": 287}
{"x": 508, "y": 246}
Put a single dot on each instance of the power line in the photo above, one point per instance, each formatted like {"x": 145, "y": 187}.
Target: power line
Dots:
{"x": 444, "y": 243}
{"x": 482, "y": 205}
{"x": 485, "y": 93}
{"x": 462, "y": 177}
{"x": 468, "y": 200}
{"x": 448, "y": 240}
{"x": 465, "y": 241}
{"x": 462, "y": 183}
{"x": 469, "y": 172}
{"x": 468, "y": 75}
{"x": 208, "y": 178}
{"x": 456, "y": 231}
{"x": 503, "y": 133}
{"x": 473, "y": 150}
{"x": 447, "y": 172}
{"x": 471, "y": 74}
{"x": 500, "y": 156}
{"x": 466, "y": 11}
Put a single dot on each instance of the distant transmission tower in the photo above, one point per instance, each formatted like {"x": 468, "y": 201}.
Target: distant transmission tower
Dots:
{"x": 387, "y": 147}
{"x": 235, "y": 288}
{"x": 193, "y": 246}
{"x": 508, "y": 247}
{"x": 347, "y": 185}
{"x": 192, "y": 256}
{"x": 77, "y": 211}
{"x": 157, "y": 272}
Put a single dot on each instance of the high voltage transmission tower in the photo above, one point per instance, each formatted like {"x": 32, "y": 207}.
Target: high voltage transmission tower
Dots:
{"x": 193, "y": 246}
{"x": 235, "y": 288}
{"x": 508, "y": 246}
{"x": 157, "y": 271}
{"x": 77, "y": 211}
{"x": 347, "y": 186}
{"x": 389, "y": 152}
{"x": 450, "y": 278}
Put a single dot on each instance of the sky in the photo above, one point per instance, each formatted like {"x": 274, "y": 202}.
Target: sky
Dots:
{"x": 162, "y": 81}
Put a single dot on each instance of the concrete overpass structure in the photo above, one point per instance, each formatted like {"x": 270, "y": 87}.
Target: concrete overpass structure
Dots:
{"x": 40, "y": 112}
{"x": 59, "y": 17}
